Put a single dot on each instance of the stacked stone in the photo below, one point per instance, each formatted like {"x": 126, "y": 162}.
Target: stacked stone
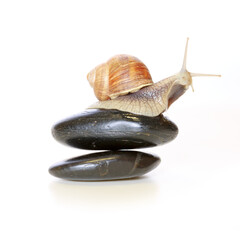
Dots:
{"x": 115, "y": 131}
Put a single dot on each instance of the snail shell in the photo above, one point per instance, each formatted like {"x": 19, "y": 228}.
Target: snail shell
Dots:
{"x": 120, "y": 75}
{"x": 151, "y": 100}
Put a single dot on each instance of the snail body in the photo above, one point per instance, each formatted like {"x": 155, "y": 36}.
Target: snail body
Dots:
{"x": 148, "y": 101}
{"x": 153, "y": 98}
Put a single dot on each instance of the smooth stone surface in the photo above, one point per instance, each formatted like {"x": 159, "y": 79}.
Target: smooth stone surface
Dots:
{"x": 99, "y": 129}
{"x": 108, "y": 165}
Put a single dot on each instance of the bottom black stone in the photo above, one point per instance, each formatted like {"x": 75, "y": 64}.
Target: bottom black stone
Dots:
{"x": 109, "y": 165}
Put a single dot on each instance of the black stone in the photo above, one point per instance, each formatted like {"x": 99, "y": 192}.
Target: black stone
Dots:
{"x": 108, "y": 165}
{"x": 99, "y": 129}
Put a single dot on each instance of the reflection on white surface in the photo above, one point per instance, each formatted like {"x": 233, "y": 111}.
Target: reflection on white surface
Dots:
{"x": 135, "y": 191}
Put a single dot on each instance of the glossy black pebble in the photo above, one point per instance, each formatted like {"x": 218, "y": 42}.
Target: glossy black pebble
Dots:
{"x": 108, "y": 165}
{"x": 99, "y": 129}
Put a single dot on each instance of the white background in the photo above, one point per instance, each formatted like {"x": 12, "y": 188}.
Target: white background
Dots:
{"x": 46, "y": 51}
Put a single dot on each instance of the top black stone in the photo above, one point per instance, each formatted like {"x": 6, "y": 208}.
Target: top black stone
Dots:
{"x": 100, "y": 129}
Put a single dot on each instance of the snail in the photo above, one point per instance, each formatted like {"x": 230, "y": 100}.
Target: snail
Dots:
{"x": 124, "y": 83}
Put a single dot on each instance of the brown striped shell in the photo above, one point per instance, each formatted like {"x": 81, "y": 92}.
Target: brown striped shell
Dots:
{"x": 120, "y": 75}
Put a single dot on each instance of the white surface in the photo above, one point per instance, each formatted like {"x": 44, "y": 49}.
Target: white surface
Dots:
{"x": 46, "y": 50}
